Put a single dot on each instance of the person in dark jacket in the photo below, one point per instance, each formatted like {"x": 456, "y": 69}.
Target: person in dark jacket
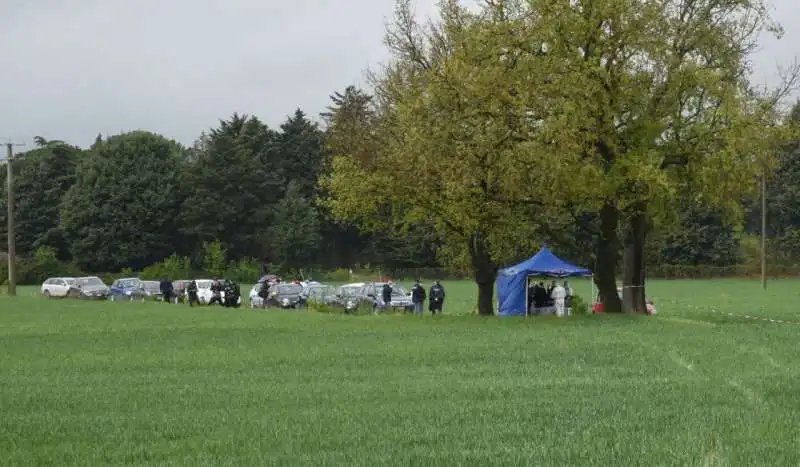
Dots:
{"x": 216, "y": 292}
{"x": 166, "y": 290}
{"x": 226, "y": 287}
{"x": 231, "y": 297}
{"x": 263, "y": 292}
{"x": 191, "y": 293}
{"x": 237, "y": 292}
{"x": 386, "y": 295}
{"x": 436, "y": 297}
{"x": 418, "y": 297}
{"x": 540, "y": 297}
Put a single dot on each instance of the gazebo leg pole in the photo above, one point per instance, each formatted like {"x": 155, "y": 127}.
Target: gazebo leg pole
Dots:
{"x": 527, "y": 287}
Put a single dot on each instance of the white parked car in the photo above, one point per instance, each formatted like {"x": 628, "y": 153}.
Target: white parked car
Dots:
{"x": 204, "y": 293}
{"x": 56, "y": 286}
{"x": 204, "y": 290}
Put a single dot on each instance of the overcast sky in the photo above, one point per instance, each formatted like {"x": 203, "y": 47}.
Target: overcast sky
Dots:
{"x": 73, "y": 68}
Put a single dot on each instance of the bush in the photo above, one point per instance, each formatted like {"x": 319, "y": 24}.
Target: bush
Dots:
{"x": 579, "y": 305}
{"x": 43, "y": 265}
{"x": 339, "y": 275}
{"x": 214, "y": 258}
{"x": 173, "y": 268}
{"x": 246, "y": 271}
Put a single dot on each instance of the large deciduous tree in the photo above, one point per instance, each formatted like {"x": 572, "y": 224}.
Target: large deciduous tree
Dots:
{"x": 783, "y": 195}
{"x": 660, "y": 95}
{"x": 124, "y": 207}
{"x": 351, "y": 122}
{"x": 447, "y": 147}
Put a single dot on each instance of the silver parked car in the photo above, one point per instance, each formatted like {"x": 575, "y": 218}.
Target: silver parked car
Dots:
{"x": 372, "y": 294}
{"x": 152, "y": 290}
{"x": 91, "y": 288}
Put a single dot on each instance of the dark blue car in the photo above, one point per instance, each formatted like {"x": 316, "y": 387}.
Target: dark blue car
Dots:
{"x": 129, "y": 288}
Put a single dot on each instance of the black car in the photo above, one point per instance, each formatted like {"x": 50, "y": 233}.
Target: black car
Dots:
{"x": 89, "y": 288}
{"x": 286, "y": 296}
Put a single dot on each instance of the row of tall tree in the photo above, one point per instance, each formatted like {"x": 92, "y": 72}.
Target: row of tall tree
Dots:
{"x": 623, "y": 133}
{"x": 133, "y": 199}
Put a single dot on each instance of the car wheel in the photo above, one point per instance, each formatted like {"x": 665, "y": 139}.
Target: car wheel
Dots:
{"x": 46, "y": 294}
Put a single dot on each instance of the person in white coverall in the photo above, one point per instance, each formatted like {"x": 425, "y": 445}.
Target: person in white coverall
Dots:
{"x": 559, "y": 296}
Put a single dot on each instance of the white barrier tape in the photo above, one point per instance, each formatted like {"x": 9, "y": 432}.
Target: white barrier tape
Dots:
{"x": 756, "y": 318}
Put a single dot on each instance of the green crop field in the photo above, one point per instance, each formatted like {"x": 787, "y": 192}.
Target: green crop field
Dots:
{"x": 702, "y": 383}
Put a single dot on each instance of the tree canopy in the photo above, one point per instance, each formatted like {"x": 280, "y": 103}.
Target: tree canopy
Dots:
{"x": 614, "y": 106}
{"x": 124, "y": 206}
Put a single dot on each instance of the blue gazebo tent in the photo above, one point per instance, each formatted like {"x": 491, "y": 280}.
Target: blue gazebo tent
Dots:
{"x": 512, "y": 282}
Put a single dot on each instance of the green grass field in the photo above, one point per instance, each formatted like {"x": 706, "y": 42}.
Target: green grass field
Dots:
{"x": 153, "y": 384}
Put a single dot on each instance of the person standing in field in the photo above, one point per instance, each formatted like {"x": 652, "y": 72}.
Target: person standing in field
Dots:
{"x": 191, "y": 292}
{"x": 418, "y": 297}
{"x": 263, "y": 293}
{"x": 436, "y": 298}
{"x": 216, "y": 292}
{"x": 386, "y": 296}
{"x": 559, "y": 295}
{"x": 166, "y": 290}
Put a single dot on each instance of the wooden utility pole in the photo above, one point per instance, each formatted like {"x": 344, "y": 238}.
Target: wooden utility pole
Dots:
{"x": 12, "y": 244}
{"x": 764, "y": 229}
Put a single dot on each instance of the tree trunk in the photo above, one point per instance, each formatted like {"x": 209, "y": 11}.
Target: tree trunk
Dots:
{"x": 485, "y": 271}
{"x": 633, "y": 270}
{"x": 605, "y": 275}
{"x": 486, "y": 298}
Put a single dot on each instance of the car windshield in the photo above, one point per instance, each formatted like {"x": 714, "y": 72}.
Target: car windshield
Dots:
{"x": 152, "y": 285}
{"x": 204, "y": 284}
{"x": 348, "y": 291}
{"x": 129, "y": 282}
{"x": 319, "y": 291}
{"x": 69, "y": 281}
{"x": 88, "y": 281}
{"x": 397, "y": 290}
{"x": 289, "y": 289}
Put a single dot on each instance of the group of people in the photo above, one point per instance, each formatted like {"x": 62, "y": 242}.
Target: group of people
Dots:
{"x": 232, "y": 291}
{"x": 435, "y": 297}
{"x": 230, "y": 287}
{"x": 553, "y": 299}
